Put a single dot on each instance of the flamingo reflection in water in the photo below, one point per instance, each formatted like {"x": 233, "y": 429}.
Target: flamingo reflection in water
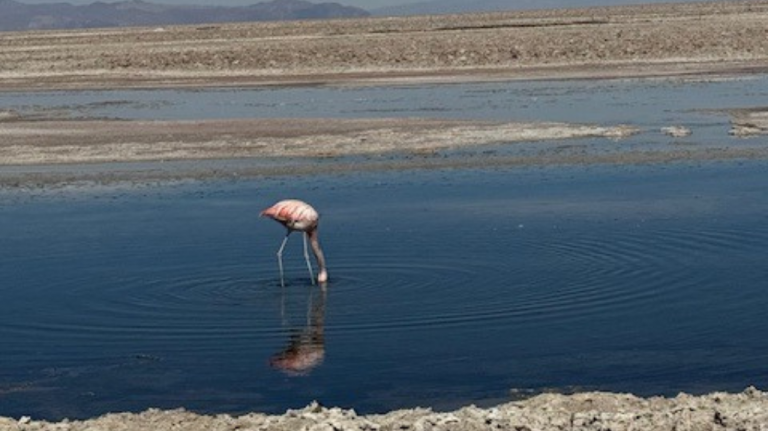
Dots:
{"x": 306, "y": 348}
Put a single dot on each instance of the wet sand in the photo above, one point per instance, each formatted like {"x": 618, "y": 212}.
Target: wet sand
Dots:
{"x": 46, "y": 153}
{"x": 42, "y": 152}
{"x": 701, "y": 40}
{"x": 49, "y": 142}
{"x": 162, "y": 150}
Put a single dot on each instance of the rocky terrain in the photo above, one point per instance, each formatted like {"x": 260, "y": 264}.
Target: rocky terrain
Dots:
{"x": 591, "y": 411}
{"x": 685, "y": 38}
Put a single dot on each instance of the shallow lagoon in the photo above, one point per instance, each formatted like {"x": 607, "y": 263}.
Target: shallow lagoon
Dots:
{"x": 697, "y": 103}
{"x": 447, "y": 287}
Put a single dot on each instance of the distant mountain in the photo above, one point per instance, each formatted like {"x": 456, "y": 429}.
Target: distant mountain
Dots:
{"x": 437, "y": 7}
{"x": 19, "y": 16}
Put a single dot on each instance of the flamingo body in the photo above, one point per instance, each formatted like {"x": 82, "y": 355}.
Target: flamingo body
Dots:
{"x": 298, "y": 215}
{"x": 293, "y": 214}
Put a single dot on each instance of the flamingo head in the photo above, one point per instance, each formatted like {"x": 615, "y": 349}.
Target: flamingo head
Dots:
{"x": 322, "y": 277}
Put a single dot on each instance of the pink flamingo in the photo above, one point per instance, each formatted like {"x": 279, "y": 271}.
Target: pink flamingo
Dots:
{"x": 297, "y": 215}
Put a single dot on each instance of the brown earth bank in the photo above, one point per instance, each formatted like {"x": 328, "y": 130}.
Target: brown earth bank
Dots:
{"x": 640, "y": 40}
{"x": 594, "y": 411}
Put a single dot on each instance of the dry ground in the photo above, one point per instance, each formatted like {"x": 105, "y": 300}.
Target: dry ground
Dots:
{"x": 591, "y": 411}
{"x": 619, "y": 41}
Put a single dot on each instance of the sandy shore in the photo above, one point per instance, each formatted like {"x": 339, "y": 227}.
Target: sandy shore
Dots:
{"x": 584, "y": 411}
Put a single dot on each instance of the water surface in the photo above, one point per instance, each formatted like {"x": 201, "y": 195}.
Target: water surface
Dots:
{"x": 447, "y": 287}
{"x": 645, "y": 103}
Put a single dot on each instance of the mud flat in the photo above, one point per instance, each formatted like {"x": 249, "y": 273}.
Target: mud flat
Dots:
{"x": 584, "y": 411}
{"x": 640, "y": 40}
{"x": 700, "y": 39}
{"x": 47, "y": 152}
{"x": 750, "y": 122}
{"x": 50, "y": 142}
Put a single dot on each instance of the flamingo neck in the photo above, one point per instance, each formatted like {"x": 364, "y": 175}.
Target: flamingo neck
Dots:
{"x": 322, "y": 274}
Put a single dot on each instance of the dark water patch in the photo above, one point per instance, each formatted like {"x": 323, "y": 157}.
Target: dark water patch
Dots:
{"x": 447, "y": 287}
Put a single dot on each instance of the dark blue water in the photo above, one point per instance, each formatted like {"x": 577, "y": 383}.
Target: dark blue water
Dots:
{"x": 447, "y": 287}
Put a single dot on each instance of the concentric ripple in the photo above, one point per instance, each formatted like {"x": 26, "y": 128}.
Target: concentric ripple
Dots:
{"x": 549, "y": 277}
{"x": 489, "y": 276}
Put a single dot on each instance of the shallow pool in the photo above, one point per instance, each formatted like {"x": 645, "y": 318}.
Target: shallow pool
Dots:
{"x": 447, "y": 287}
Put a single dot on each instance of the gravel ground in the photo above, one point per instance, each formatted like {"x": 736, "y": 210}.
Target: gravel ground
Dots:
{"x": 620, "y": 41}
{"x": 593, "y": 411}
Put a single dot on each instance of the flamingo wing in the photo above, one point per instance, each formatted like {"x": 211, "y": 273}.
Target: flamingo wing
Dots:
{"x": 293, "y": 213}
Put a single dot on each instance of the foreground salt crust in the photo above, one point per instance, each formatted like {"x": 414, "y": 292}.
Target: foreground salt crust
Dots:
{"x": 747, "y": 410}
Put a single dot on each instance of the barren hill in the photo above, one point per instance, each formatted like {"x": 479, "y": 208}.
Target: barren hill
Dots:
{"x": 20, "y": 16}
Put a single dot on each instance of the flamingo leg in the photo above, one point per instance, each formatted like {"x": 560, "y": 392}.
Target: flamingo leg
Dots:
{"x": 306, "y": 257}
{"x": 280, "y": 258}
